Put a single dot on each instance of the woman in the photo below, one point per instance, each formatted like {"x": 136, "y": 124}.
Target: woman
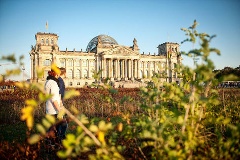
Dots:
{"x": 53, "y": 106}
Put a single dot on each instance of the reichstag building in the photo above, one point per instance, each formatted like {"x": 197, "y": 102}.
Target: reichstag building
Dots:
{"x": 122, "y": 66}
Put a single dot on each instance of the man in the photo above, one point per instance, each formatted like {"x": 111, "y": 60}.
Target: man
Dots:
{"x": 63, "y": 125}
{"x": 61, "y": 82}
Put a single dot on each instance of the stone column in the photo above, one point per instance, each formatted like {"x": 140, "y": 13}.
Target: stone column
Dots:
{"x": 32, "y": 67}
{"x": 65, "y": 63}
{"x": 114, "y": 68}
{"x": 88, "y": 67}
{"x": 73, "y": 66}
{"x": 111, "y": 68}
{"x": 106, "y": 68}
{"x": 125, "y": 69}
{"x": 167, "y": 68}
{"x": 117, "y": 68}
{"x": 143, "y": 71}
{"x": 122, "y": 69}
{"x": 80, "y": 61}
{"x": 132, "y": 73}
{"x": 135, "y": 68}
{"x": 129, "y": 68}
{"x": 103, "y": 68}
{"x": 138, "y": 69}
{"x": 149, "y": 69}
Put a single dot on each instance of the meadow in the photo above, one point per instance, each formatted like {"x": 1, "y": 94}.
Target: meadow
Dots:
{"x": 94, "y": 103}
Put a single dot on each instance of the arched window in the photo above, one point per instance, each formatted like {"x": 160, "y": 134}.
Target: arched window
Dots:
{"x": 51, "y": 41}
{"x": 47, "y": 41}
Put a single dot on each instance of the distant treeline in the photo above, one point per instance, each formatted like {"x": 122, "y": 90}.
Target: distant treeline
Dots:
{"x": 227, "y": 71}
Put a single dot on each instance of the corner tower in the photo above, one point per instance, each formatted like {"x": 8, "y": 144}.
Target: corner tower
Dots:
{"x": 46, "y": 42}
{"x": 43, "y": 53}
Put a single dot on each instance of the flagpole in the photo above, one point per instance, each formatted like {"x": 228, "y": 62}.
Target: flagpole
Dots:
{"x": 46, "y": 26}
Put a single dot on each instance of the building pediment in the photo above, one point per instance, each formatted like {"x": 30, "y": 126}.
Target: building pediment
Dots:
{"x": 121, "y": 51}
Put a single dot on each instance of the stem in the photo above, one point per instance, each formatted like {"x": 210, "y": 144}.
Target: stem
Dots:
{"x": 200, "y": 117}
{"x": 83, "y": 127}
{"x": 185, "y": 119}
{"x": 191, "y": 101}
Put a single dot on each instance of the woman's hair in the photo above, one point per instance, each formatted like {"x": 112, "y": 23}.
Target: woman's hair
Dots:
{"x": 52, "y": 73}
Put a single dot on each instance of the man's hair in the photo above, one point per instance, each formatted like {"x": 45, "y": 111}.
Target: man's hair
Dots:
{"x": 63, "y": 70}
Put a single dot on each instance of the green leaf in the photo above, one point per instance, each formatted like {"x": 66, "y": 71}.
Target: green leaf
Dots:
{"x": 102, "y": 125}
{"x": 50, "y": 118}
{"x": 226, "y": 121}
{"x": 83, "y": 119}
{"x": 88, "y": 141}
{"x": 41, "y": 129}
{"x": 31, "y": 102}
{"x": 180, "y": 120}
{"x": 93, "y": 128}
{"x": 46, "y": 123}
{"x": 34, "y": 139}
{"x": 71, "y": 93}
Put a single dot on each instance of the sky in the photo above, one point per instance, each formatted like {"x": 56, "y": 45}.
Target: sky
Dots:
{"x": 151, "y": 22}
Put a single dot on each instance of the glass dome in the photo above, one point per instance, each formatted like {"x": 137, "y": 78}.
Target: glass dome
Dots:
{"x": 103, "y": 39}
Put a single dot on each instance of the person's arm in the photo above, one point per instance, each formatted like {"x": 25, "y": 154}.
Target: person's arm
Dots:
{"x": 55, "y": 98}
{"x": 56, "y": 105}
{"x": 61, "y": 101}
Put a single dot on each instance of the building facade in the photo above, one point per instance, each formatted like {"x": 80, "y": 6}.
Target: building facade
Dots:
{"x": 122, "y": 66}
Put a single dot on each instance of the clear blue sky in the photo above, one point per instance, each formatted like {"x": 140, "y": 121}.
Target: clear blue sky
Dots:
{"x": 150, "y": 22}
